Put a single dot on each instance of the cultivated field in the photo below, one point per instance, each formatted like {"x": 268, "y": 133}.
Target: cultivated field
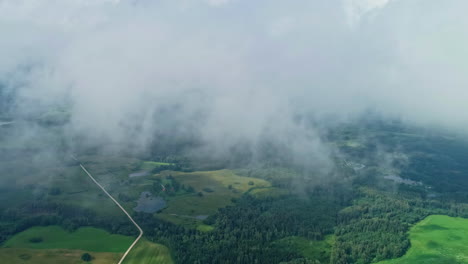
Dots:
{"x": 438, "y": 239}
{"x": 54, "y": 256}
{"x": 54, "y": 237}
{"x": 146, "y": 252}
{"x": 52, "y": 244}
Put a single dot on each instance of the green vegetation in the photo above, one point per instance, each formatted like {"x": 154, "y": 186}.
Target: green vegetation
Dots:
{"x": 205, "y": 228}
{"x": 54, "y": 237}
{"x": 54, "y": 256}
{"x": 314, "y": 250}
{"x": 437, "y": 239}
{"x": 214, "y": 190}
{"x": 267, "y": 192}
{"x": 248, "y": 230}
{"x": 375, "y": 227}
{"x": 270, "y": 211}
{"x": 86, "y": 257}
{"x": 146, "y": 252}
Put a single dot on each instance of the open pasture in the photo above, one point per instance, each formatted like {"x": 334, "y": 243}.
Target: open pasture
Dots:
{"x": 437, "y": 239}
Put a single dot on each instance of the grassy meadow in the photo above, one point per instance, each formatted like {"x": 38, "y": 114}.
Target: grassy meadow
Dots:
{"x": 54, "y": 237}
{"x": 218, "y": 188}
{"x": 52, "y": 244}
{"x": 146, "y": 252}
{"x": 54, "y": 256}
{"x": 438, "y": 239}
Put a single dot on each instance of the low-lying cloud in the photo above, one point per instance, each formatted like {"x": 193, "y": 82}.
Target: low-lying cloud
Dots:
{"x": 234, "y": 71}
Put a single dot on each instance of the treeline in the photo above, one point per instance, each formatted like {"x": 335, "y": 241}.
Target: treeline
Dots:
{"x": 15, "y": 220}
{"x": 375, "y": 227}
{"x": 244, "y": 233}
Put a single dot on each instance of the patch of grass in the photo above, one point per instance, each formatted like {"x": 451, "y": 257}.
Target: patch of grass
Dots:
{"x": 36, "y": 239}
{"x": 310, "y": 249}
{"x": 149, "y": 165}
{"x": 267, "y": 192}
{"x": 54, "y": 237}
{"x": 146, "y": 252}
{"x": 54, "y": 256}
{"x": 218, "y": 180}
{"x": 77, "y": 189}
{"x": 204, "y": 228}
{"x": 437, "y": 239}
{"x": 223, "y": 184}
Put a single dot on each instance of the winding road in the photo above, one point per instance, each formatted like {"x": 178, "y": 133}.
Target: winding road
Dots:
{"x": 121, "y": 208}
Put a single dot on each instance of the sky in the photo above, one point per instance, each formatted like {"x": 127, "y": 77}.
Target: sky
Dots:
{"x": 235, "y": 70}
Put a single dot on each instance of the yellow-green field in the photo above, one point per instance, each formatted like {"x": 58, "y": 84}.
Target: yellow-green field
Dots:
{"x": 86, "y": 238}
{"x": 59, "y": 246}
{"x": 438, "y": 239}
{"x": 146, "y": 252}
{"x": 224, "y": 185}
{"x": 54, "y": 256}
{"x": 204, "y": 228}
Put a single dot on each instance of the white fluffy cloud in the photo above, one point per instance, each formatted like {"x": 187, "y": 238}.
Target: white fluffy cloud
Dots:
{"x": 356, "y": 9}
{"x": 236, "y": 71}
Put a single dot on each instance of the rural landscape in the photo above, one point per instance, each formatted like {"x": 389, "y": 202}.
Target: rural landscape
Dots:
{"x": 233, "y": 132}
{"x": 268, "y": 212}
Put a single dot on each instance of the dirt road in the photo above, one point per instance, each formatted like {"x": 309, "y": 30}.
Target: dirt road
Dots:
{"x": 121, "y": 208}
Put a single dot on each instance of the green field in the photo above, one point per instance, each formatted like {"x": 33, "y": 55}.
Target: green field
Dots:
{"x": 224, "y": 186}
{"x": 438, "y": 239}
{"x": 146, "y": 252}
{"x": 54, "y": 256}
{"x": 204, "y": 228}
{"x": 60, "y": 246}
{"x": 54, "y": 237}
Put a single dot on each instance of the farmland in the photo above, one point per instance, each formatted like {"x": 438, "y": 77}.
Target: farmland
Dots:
{"x": 147, "y": 252}
{"x": 53, "y": 237}
{"x": 54, "y": 256}
{"x": 438, "y": 239}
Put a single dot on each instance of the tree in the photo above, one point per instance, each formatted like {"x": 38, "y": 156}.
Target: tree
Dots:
{"x": 86, "y": 257}
{"x": 190, "y": 189}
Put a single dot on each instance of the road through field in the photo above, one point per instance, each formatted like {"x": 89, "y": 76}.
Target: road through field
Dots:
{"x": 121, "y": 208}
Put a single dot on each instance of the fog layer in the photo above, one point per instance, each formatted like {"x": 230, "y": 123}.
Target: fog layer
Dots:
{"x": 231, "y": 71}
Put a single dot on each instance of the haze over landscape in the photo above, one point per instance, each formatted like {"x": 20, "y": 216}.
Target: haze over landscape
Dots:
{"x": 196, "y": 111}
{"x": 232, "y": 67}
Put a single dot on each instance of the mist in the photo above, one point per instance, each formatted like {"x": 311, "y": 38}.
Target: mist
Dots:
{"x": 233, "y": 72}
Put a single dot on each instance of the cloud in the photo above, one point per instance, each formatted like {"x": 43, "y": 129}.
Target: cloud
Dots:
{"x": 356, "y": 9}
{"x": 130, "y": 70}
{"x": 218, "y": 2}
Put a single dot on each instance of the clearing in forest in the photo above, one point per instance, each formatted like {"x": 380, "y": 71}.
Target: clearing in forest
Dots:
{"x": 212, "y": 190}
{"x": 437, "y": 239}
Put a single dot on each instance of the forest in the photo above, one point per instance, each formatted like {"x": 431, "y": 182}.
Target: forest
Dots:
{"x": 364, "y": 216}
